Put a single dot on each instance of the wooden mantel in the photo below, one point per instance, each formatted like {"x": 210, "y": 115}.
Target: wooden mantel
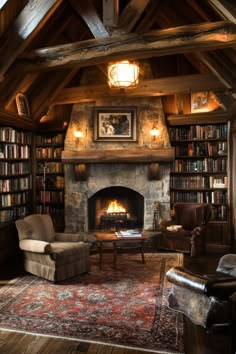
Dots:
{"x": 151, "y": 156}
{"x": 118, "y": 156}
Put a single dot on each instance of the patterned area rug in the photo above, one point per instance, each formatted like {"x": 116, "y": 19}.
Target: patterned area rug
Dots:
{"x": 124, "y": 307}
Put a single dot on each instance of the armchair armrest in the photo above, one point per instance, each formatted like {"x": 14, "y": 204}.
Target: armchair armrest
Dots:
{"x": 74, "y": 237}
{"x": 68, "y": 237}
{"x": 221, "y": 285}
{"x": 165, "y": 223}
{"x": 35, "y": 246}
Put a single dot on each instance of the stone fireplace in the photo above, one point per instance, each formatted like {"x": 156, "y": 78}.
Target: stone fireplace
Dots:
{"x": 115, "y": 208}
{"x": 110, "y": 178}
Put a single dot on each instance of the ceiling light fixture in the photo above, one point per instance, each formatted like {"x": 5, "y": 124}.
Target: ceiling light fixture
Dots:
{"x": 123, "y": 74}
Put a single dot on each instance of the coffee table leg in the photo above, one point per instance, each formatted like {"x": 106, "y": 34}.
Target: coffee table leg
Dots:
{"x": 142, "y": 251}
{"x": 100, "y": 254}
{"x": 114, "y": 254}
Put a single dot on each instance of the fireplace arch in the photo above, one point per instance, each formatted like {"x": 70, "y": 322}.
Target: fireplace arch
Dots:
{"x": 131, "y": 216}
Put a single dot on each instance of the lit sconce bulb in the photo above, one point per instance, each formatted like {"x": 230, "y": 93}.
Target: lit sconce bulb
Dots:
{"x": 154, "y": 132}
{"x": 78, "y": 134}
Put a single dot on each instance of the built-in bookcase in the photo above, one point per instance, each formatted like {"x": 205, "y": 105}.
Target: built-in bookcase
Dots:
{"x": 200, "y": 171}
{"x": 49, "y": 179}
{"x": 16, "y": 174}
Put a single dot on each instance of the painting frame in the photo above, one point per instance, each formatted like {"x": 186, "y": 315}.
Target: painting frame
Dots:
{"x": 115, "y": 124}
{"x": 199, "y": 101}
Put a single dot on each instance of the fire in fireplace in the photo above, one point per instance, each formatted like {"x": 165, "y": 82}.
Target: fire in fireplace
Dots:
{"x": 115, "y": 208}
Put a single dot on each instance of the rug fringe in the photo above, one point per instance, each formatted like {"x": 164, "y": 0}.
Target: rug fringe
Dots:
{"x": 88, "y": 341}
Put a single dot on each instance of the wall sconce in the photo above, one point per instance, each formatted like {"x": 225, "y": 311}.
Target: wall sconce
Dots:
{"x": 78, "y": 134}
{"x": 154, "y": 132}
{"x": 123, "y": 74}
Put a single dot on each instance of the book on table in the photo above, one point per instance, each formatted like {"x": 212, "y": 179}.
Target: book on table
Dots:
{"x": 128, "y": 233}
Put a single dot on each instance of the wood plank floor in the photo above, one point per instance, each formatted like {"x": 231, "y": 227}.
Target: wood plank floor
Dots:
{"x": 19, "y": 343}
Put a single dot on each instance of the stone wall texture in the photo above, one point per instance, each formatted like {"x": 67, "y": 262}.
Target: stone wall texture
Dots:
{"x": 101, "y": 175}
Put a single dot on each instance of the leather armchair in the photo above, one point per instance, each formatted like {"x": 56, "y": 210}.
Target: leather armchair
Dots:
{"x": 190, "y": 238}
{"x": 49, "y": 254}
{"x": 208, "y": 302}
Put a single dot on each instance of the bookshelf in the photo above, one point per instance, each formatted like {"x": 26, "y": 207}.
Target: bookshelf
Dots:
{"x": 49, "y": 176}
{"x": 16, "y": 174}
{"x": 200, "y": 171}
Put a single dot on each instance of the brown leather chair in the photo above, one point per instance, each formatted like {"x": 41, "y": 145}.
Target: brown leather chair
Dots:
{"x": 190, "y": 238}
{"x": 207, "y": 301}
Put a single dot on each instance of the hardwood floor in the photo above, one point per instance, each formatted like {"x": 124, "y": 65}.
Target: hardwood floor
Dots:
{"x": 18, "y": 343}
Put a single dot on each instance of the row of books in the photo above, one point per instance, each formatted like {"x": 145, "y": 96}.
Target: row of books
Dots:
{"x": 205, "y": 165}
{"x": 15, "y": 184}
{"x": 51, "y": 197}
{"x": 14, "y": 151}
{"x": 52, "y": 182}
{"x": 199, "y": 132}
{"x": 8, "y": 134}
{"x": 215, "y": 197}
{"x": 14, "y": 213}
{"x": 48, "y": 153}
{"x": 11, "y": 199}
{"x": 50, "y": 167}
{"x": 219, "y": 213}
{"x": 14, "y": 168}
{"x": 194, "y": 182}
{"x": 49, "y": 209}
{"x": 201, "y": 149}
{"x": 51, "y": 139}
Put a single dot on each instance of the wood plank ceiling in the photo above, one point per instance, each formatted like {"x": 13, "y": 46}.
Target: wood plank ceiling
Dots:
{"x": 56, "y": 52}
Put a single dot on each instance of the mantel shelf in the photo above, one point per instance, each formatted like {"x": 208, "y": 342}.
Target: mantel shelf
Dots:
{"x": 118, "y": 156}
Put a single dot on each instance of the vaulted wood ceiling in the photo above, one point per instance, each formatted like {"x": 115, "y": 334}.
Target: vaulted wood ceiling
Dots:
{"x": 56, "y": 52}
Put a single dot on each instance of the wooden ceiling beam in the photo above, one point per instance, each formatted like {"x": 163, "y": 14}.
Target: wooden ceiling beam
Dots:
{"x": 110, "y": 14}
{"x": 47, "y": 93}
{"x": 130, "y": 15}
{"x": 227, "y": 77}
{"x": 89, "y": 14}
{"x": 157, "y": 87}
{"x": 225, "y": 8}
{"x": 31, "y": 20}
{"x": 200, "y": 37}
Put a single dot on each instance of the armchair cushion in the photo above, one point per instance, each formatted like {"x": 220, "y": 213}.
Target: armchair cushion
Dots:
{"x": 41, "y": 226}
{"x": 24, "y": 229}
{"x": 62, "y": 252}
{"x": 68, "y": 237}
{"x": 35, "y": 246}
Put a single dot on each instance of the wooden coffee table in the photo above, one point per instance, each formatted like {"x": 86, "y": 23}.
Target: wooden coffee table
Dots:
{"x": 134, "y": 242}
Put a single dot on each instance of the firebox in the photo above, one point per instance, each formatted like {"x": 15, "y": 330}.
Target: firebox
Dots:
{"x": 115, "y": 208}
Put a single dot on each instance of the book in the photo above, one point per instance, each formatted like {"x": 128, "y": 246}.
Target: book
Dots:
{"x": 128, "y": 233}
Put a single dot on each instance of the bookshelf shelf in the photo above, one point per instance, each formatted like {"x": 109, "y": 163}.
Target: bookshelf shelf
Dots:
{"x": 49, "y": 178}
{"x": 199, "y": 173}
{"x": 16, "y": 174}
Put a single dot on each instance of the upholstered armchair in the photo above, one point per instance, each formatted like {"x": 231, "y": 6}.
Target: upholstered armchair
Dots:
{"x": 49, "y": 254}
{"x": 208, "y": 301}
{"x": 186, "y": 231}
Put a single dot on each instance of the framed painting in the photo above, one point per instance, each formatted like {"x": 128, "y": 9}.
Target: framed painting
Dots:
{"x": 115, "y": 124}
{"x": 199, "y": 102}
